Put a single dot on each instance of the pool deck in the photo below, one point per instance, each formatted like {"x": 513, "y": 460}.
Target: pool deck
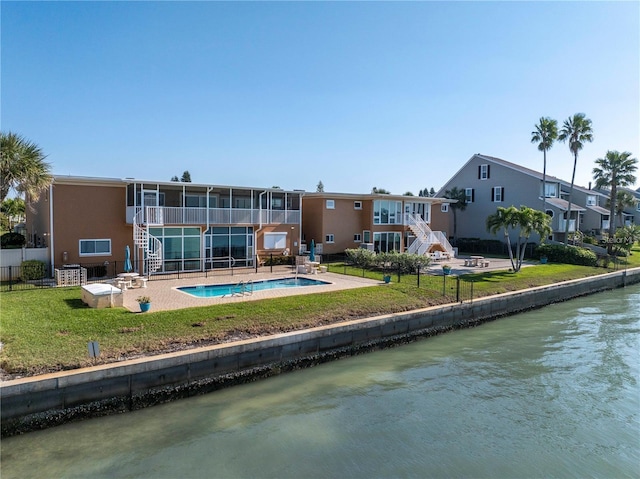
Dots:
{"x": 165, "y": 295}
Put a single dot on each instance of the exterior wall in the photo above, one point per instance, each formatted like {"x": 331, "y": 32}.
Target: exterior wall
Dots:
{"x": 442, "y": 221}
{"x": 312, "y": 218}
{"x": 97, "y": 213}
{"x": 37, "y": 221}
{"x": 519, "y": 189}
{"x": 292, "y": 241}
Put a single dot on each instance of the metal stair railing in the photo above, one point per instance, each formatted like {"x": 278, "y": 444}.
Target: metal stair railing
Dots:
{"x": 425, "y": 237}
{"x": 150, "y": 244}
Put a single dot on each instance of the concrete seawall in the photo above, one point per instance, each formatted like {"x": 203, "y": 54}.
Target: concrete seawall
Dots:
{"x": 43, "y": 401}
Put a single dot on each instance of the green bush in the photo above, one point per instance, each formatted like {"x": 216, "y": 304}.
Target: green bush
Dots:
{"x": 360, "y": 257}
{"x": 567, "y": 254}
{"x": 33, "y": 269}
{"x": 276, "y": 260}
{"x": 12, "y": 240}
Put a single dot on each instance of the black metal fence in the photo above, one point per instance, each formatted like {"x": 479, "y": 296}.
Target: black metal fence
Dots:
{"x": 40, "y": 275}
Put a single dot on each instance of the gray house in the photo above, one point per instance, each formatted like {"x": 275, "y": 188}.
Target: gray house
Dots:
{"x": 491, "y": 182}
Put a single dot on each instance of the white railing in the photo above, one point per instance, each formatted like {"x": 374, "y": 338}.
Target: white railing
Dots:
{"x": 563, "y": 223}
{"x": 150, "y": 244}
{"x": 160, "y": 215}
{"x": 425, "y": 237}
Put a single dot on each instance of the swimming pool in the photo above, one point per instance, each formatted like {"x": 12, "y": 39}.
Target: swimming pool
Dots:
{"x": 247, "y": 287}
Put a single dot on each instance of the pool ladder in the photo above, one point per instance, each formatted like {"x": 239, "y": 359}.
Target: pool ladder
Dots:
{"x": 242, "y": 288}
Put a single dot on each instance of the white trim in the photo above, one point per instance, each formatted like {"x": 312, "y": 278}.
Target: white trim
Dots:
{"x": 80, "y": 241}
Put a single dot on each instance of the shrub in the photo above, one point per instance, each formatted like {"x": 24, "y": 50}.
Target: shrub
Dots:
{"x": 403, "y": 262}
{"x": 360, "y": 257}
{"x": 33, "y": 269}
{"x": 567, "y": 254}
{"x": 12, "y": 240}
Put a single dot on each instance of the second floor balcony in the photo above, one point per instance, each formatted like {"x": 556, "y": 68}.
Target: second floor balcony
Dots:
{"x": 170, "y": 215}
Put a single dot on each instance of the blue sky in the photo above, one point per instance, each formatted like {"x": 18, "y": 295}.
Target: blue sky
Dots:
{"x": 397, "y": 95}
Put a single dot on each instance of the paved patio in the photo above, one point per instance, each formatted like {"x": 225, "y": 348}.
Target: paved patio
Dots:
{"x": 165, "y": 295}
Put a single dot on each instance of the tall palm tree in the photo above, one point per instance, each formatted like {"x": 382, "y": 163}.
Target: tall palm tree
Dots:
{"x": 524, "y": 220}
{"x": 614, "y": 170}
{"x": 22, "y": 167}
{"x": 577, "y": 129}
{"x": 458, "y": 194}
{"x": 545, "y": 134}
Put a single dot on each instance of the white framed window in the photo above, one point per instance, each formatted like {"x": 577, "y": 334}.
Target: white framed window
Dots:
{"x": 331, "y": 204}
{"x": 591, "y": 200}
{"x": 94, "y": 247}
{"x": 357, "y": 205}
{"x": 469, "y": 195}
{"x": 497, "y": 194}
{"x": 551, "y": 190}
{"x": 444, "y": 208}
{"x": 483, "y": 172}
{"x": 387, "y": 212}
{"x": 275, "y": 240}
{"x": 329, "y": 239}
{"x": 357, "y": 238}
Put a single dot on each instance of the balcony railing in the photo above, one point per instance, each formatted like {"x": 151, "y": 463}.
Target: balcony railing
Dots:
{"x": 168, "y": 215}
{"x": 563, "y": 223}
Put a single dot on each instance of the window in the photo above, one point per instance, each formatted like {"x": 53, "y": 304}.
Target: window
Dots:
{"x": 497, "y": 194}
{"x": 385, "y": 242}
{"x": 469, "y": 194}
{"x": 591, "y": 200}
{"x": 387, "y": 212}
{"x": 331, "y": 204}
{"x": 638, "y": 206}
{"x": 367, "y": 236}
{"x": 483, "y": 172}
{"x": 357, "y": 205}
{"x": 328, "y": 239}
{"x": 549, "y": 213}
{"x": 550, "y": 190}
{"x": 275, "y": 240}
{"x": 195, "y": 201}
{"x": 357, "y": 238}
{"x": 444, "y": 208}
{"x": 95, "y": 247}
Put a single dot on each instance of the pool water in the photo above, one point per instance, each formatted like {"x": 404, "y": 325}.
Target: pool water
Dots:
{"x": 247, "y": 287}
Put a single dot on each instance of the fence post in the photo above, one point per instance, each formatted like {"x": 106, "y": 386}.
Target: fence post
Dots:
{"x": 444, "y": 284}
{"x": 10, "y": 280}
{"x": 271, "y": 261}
{"x": 255, "y": 262}
{"x": 418, "y": 276}
{"x": 457, "y": 289}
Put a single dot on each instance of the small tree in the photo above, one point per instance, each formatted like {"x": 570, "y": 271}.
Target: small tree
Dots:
{"x": 613, "y": 171}
{"x": 380, "y": 191}
{"x": 524, "y": 221}
{"x": 458, "y": 194}
{"x": 320, "y": 187}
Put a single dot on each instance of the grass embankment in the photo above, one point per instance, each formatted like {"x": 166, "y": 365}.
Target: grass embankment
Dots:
{"x": 48, "y": 330}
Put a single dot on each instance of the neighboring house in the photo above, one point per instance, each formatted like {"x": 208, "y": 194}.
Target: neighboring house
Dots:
{"x": 491, "y": 182}
{"x": 631, "y": 214}
{"x": 339, "y": 221}
{"x": 594, "y": 220}
{"x": 170, "y": 226}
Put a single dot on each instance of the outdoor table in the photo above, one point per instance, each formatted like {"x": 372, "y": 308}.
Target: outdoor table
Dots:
{"x": 126, "y": 279}
{"x": 477, "y": 260}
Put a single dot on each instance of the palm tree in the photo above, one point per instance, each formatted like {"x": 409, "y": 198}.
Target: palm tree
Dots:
{"x": 458, "y": 194}
{"x": 545, "y": 134}
{"x": 577, "y": 129}
{"x": 526, "y": 221}
{"x": 22, "y": 167}
{"x": 614, "y": 170}
{"x": 13, "y": 209}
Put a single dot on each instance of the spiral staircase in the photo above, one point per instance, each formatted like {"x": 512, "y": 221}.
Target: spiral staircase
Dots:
{"x": 151, "y": 245}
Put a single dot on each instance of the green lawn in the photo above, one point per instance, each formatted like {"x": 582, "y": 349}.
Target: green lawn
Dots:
{"x": 47, "y": 330}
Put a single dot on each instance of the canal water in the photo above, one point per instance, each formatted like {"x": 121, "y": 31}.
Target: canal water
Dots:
{"x": 549, "y": 393}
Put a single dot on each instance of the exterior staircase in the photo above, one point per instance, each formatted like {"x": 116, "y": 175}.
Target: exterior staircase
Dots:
{"x": 151, "y": 245}
{"x": 425, "y": 237}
